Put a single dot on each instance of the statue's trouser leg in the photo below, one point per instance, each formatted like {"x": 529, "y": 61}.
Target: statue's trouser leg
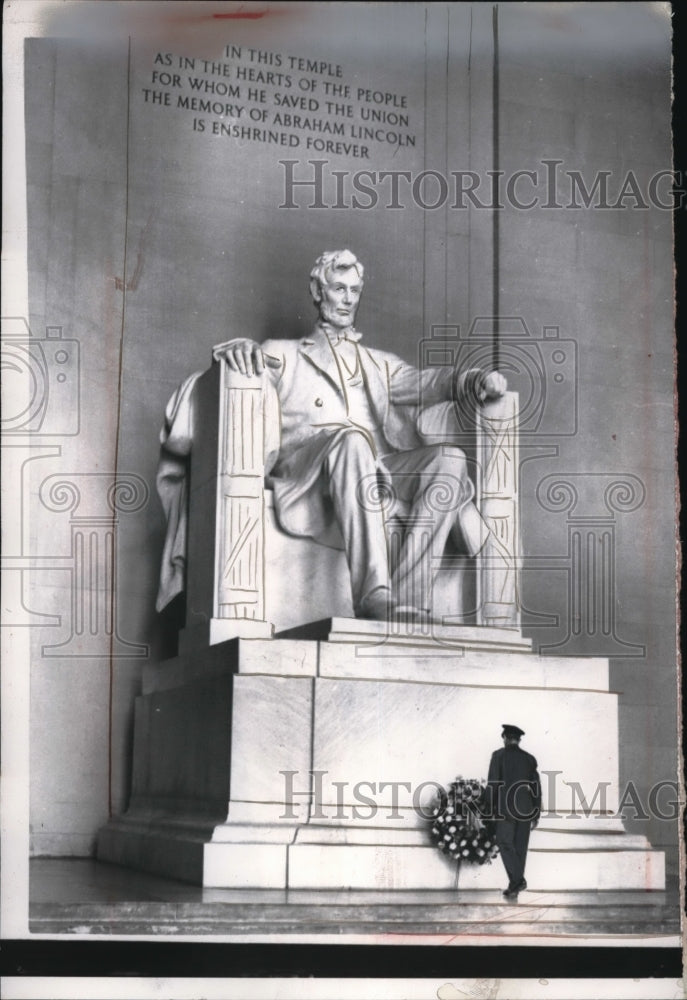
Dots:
{"x": 433, "y": 482}
{"x": 351, "y": 463}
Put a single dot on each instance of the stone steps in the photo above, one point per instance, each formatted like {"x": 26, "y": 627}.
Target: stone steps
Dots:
{"x": 88, "y": 897}
{"x": 532, "y": 914}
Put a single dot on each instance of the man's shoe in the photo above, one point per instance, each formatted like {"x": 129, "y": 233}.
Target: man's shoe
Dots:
{"x": 511, "y": 892}
{"x": 522, "y": 885}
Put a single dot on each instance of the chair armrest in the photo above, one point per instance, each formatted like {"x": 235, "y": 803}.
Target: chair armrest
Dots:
{"x": 256, "y": 414}
{"x": 497, "y": 501}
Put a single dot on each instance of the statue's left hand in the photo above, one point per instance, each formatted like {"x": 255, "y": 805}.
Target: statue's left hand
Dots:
{"x": 494, "y": 385}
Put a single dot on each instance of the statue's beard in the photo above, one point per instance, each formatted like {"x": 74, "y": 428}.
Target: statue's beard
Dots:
{"x": 330, "y": 314}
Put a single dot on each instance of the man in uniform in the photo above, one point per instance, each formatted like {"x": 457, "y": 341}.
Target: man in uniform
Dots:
{"x": 515, "y": 794}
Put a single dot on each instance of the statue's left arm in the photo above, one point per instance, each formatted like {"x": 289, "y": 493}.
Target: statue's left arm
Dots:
{"x": 411, "y": 387}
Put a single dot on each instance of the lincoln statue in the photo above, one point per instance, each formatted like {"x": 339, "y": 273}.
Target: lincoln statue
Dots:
{"x": 351, "y": 461}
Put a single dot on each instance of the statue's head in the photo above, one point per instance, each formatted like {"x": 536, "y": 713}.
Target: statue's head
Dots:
{"x": 336, "y": 284}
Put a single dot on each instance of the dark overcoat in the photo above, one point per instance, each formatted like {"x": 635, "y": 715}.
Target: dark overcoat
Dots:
{"x": 513, "y": 784}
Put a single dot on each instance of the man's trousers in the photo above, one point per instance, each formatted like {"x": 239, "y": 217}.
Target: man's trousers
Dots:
{"x": 513, "y": 837}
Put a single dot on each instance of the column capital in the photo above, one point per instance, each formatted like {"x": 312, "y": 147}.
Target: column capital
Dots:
{"x": 584, "y": 495}
{"x": 94, "y": 495}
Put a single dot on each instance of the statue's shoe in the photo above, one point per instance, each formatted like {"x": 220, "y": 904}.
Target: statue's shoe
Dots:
{"x": 410, "y": 615}
{"x": 377, "y": 605}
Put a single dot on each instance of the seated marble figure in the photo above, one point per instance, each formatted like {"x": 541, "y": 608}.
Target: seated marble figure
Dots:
{"x": 351, "y": 461}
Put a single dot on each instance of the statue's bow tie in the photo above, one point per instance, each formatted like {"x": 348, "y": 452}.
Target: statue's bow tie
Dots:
{"x": 338, "y": 336}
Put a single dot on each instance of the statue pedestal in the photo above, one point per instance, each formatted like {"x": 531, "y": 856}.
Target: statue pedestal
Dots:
{"x": 309, "y": 760}
{"x": 306, "y": 762}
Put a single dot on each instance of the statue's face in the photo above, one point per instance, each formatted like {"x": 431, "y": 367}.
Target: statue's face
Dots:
{"x": 340, "y": 298}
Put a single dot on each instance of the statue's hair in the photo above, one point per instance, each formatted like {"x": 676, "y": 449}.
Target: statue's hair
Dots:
{"x": 329, "y": 262}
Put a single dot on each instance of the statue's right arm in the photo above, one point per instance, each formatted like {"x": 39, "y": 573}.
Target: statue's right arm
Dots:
{"x": 176, "y": 438}
{"x": 245, "y": 356}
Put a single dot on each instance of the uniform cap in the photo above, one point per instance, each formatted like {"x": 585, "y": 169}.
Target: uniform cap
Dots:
{"x": 509, "y": 730}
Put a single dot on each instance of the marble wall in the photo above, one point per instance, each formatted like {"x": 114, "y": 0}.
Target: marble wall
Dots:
{"x": 604, "y": 277}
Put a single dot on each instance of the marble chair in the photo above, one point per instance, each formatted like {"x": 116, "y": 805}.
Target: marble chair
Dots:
{"x": 248, "y": 578}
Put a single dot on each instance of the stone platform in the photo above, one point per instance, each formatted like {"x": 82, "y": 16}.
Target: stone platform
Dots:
{"x": 310, "y": 761}
{"x": 79, "y": 896}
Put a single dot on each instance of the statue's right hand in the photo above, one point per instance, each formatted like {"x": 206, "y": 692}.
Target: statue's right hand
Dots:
{"x": 245, "y": 356}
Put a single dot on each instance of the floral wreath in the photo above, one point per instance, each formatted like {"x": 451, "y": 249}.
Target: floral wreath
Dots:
{"x": 459, "y": 827}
